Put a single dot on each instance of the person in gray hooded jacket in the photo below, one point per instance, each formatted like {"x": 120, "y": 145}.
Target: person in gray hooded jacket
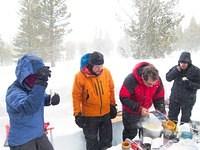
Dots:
{"x": 186, "y": 79}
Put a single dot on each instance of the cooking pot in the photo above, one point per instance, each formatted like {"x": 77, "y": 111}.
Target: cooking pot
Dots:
{"x": 152, "y": 127}
{"x": 152, "y": 132}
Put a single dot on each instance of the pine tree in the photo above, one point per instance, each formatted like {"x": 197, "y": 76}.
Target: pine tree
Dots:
{"x": 191, "y": 36}
{"x": 153, "y": 32}
{"x": 5, "y": 53}
{"x": 55, "y": 16}
{"x": 179, "y": 42}
{"x": 102, "y": 42}
{"x": 1, "y": 50}
{"x": 70, "y": 48}
{"x": 42, "y": 28}
{"x": 27, "y": 39}
{"x": 124, "y": 46}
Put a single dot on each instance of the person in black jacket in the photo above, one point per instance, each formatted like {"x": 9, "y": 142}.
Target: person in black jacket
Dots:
{"x": 186, "y": 78}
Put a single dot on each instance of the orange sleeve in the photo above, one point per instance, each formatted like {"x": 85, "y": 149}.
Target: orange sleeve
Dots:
{"x": 77, "y": 95}
{"x": 112, "y": 92}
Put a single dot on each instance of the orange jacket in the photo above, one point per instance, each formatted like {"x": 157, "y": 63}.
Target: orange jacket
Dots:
{"x": 92, "y": 95}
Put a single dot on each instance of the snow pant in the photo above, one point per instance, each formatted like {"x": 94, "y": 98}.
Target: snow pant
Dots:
{"x": 131, "y": 125}
{"x": 174, "y": 109}
{"x": 98, "y": 132}
{"x": 41, "y": 143}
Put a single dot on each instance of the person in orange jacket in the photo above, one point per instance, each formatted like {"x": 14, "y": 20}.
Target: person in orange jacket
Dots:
{"x": 94, "y": 101}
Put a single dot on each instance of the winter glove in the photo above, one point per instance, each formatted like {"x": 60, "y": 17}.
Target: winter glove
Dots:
{"x": 80, "y": 121}
{"x": 41, "y": 82}
{"x": 162, "y": 109}
{"x": 44, "y": 73}
{"x": 160, "y": 106}
{"x": 42, "y": 76}
{"x": 185, "y": 82}
{"x": 184, "y": 78}
{"x": 47, "y": 101}
{"x": 113, "y": 111}
{"x": 55, "y": 99}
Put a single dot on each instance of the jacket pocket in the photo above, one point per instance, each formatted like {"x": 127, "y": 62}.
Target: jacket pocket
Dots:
{"x": 86, "y": 95}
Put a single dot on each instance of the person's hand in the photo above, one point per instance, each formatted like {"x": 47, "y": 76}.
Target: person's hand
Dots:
{"x": 113, "y": 111}
{"x": 185, "y": 81}
{"x": 160, "y": 106}
{"x": 80, "y": 120}
{"x": 184, "y": 78}
{"x": 144, "y": 112}
{"x": 42, "y": 76}
{"x": 41, "y": 82}
{"x": 55, "y": 99}
{"x": 178, "y": 68}
{"x": 43, "y": 73}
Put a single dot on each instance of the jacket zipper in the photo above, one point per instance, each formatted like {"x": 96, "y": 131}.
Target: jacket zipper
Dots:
{"x": 96, "y": 89}
{"x": 100, "y": 94}
{"x": 102, "y": 88}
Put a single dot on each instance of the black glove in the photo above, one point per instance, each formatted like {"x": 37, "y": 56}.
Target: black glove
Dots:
{"x": 41, "y": 82}
{"x": 80, "y": 121}
{"x": 43, "y": 73}
{"x": 160, "y": 106}
{"x": 113, "y": 111}
{"x": 162, "y": 109}
{"x": 55, "y": 99}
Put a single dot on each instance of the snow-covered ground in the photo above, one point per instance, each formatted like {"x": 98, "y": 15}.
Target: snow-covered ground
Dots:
{"x": 66, "y": 133}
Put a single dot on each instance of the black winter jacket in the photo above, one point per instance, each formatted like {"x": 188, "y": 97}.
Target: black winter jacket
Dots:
{"x": 184, "y": 90}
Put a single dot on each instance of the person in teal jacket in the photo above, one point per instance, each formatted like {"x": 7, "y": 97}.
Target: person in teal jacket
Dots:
{"x": 25, "y": 101}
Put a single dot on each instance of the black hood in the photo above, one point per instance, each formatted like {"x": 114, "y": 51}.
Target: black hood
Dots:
{"x": 185, "y": 57}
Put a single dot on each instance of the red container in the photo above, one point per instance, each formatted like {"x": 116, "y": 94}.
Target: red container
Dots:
{"x": 135, "y": 146}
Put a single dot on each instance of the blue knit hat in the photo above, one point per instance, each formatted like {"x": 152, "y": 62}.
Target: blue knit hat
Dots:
{"x": 84, "y": 60}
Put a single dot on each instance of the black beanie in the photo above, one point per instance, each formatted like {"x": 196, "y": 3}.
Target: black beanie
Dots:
{"x": 185, "y": 57}
{"x": 96, "y": 58}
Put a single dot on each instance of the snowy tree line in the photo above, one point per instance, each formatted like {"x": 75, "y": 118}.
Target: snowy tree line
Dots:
{"x": 42, "y": 28}
{"x": 152, "y": 31}
{"x": 155, "y": 30}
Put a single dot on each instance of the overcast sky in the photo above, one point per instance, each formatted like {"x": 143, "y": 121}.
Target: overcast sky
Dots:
{"x": 83, "y": 22}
